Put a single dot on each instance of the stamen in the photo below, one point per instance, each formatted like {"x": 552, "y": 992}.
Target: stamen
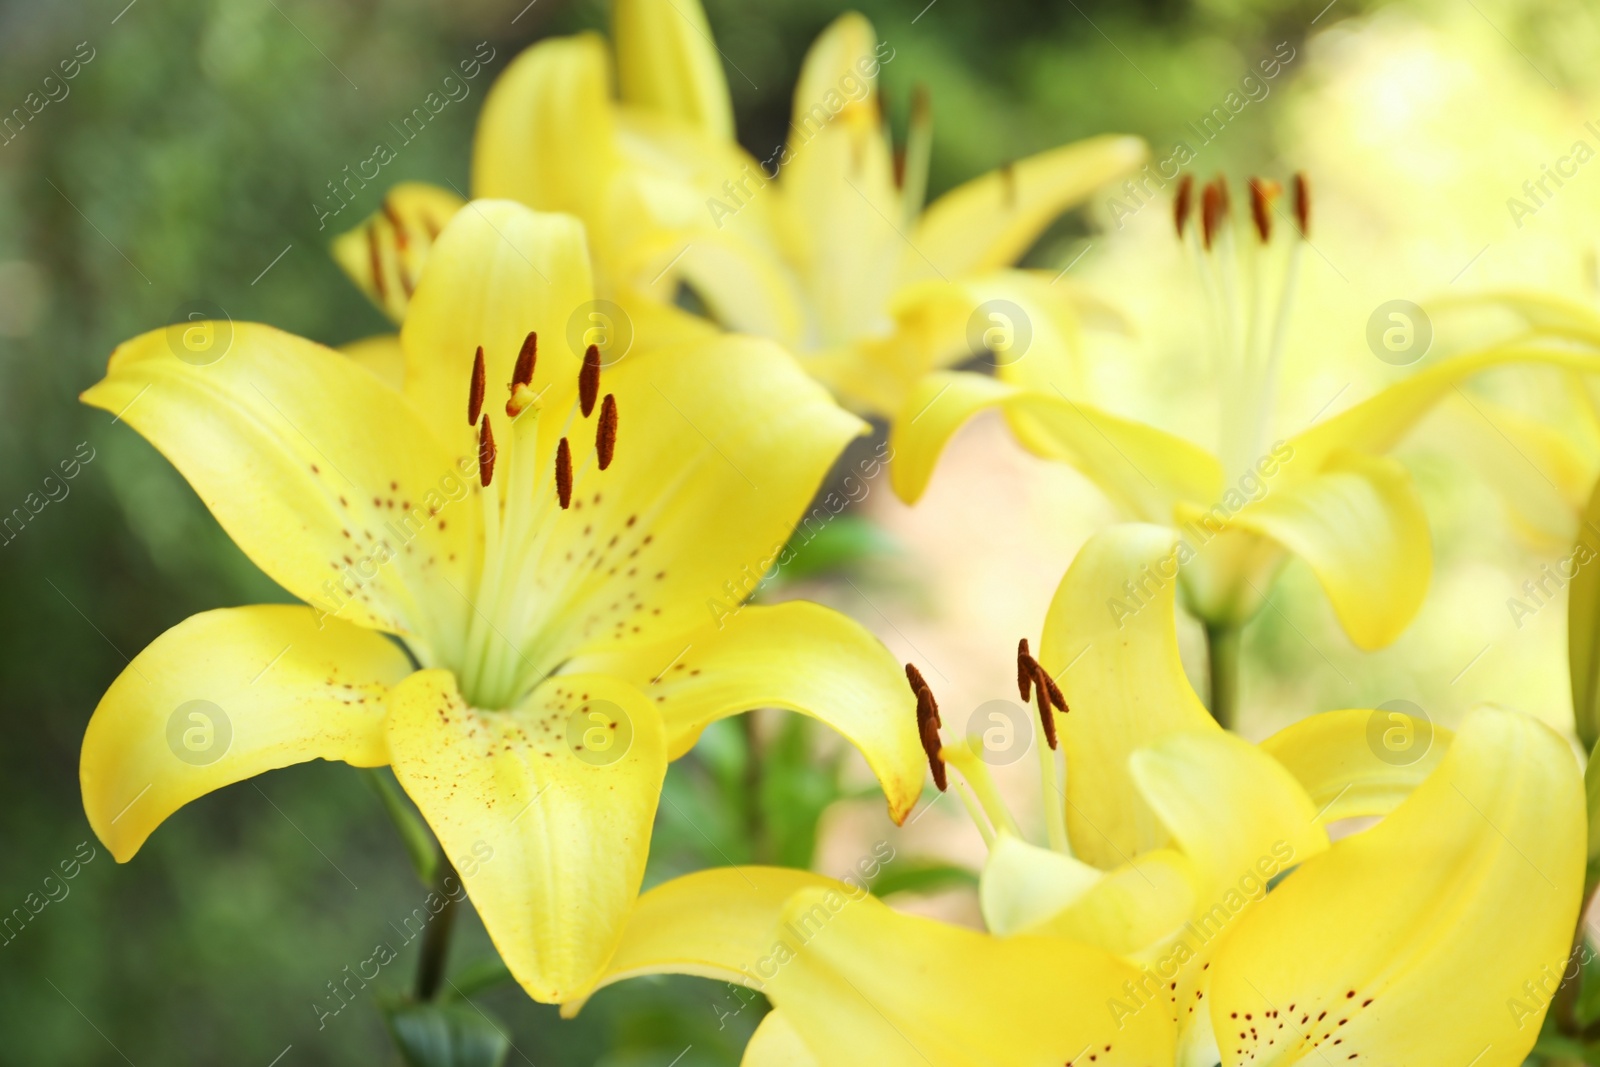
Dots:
{"x": 1263, "y": 193}
{"x": 395, "y": 221}
{"x": 564, "y": 473}
{"x": 1213, "y": 210}
{"x": 523, "y": 373}
{"x": 475, "y": 392}
{"x": 375, "y": 256}
{"x": 930, "y": 737}
{"x": 605, "y": 436}
{"x": 1302, "y": 204}
{"x": 1057, "y": 698}
{"x": 1181, "y": 206}
{"x": 486, "y": 451}
{"x": 589, "y": 379}
{"x": 928, "y": 724}
{"x": 1047, "y": 718}
{"x": 1024, "y": 670}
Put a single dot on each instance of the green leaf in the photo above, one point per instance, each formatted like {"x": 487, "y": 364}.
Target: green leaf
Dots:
{"x": 836, "y": 545}
{"x": 477, "y": 976}
{"x": 1583, "y": 638}
{"x": 921, "y": 876}
{"x": 446, "y": 1035}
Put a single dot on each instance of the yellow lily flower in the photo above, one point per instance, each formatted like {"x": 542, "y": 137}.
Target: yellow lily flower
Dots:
{"x": 827, "y": 246}
{"x": 1197, "y": 860}
{"x": 525, "y": 614}
{"x": 1327, "y": 494}
{"x": 837, "y": 259}
{"x": 552, "y": 136}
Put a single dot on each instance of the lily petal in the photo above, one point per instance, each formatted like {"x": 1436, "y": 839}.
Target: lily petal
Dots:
{"x": 384, "y": 255}
{"x": 667, "y": 62}
{"x": 1583, "y": 631}
{"x": 546, "y": 136}
{"x": 839, "y": 195}
{"x": 1133, "y": 909}
{"x": 1378, "y": 423}
{"x": 1416, "y": 905}
{"x": 1124, "y": 681}
{"x": 719, "y": 923}
{"x": 543, "y": 810}
{"x": 1238, "y": 815}
{"x": 497, "y": 273}
{"x": 867, "y": 985}
{"x": 1359, "y": 761}
{"x": 1360, "y": 526}
{"x": 796, "y": 655}
{"x": 1146, "y": 471}
{"x": 720, "y": 447}
{"x": 776, "y": 1044}
{"x": 383, "y": 356}
{"x": 330, "y": 482}
{"x": 1545, "y": 312}
{"x": 1023, "y": 885}
{"x": 991, "y": 221}
{"x": 223, "y": 696}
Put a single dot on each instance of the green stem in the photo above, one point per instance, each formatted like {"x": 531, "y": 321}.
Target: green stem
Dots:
{"x": 414, "y": 833}
{"x": 1222, "y": 647}
{"x": 436, "y": 940}
{"x": 755, "y": 824}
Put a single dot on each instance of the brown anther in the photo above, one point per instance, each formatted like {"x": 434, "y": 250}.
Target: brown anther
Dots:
{"x": 475, "y": 391}
{"x": 914, "y": 678}
{"x": 1057, "y": 698}
{"x": 1024, "y": 670}
{"x": 1182, "y": 205}
{"x": 522, "y": 374}
{"x": 928, "y": 725}
{"x": 1041, "y": 692}
{"x": 1263, "y": 194}
{"x": 394, "y": 220}
{"x": 605, "y": 434}
{"x": 1302, "y": 204}
{"x": 1213, "y": 210}
{"x": 589, "y": 380}
{"x": 375, "y": 260}
{"x": 564, "y": 474}
{"x": 486, "y": 452}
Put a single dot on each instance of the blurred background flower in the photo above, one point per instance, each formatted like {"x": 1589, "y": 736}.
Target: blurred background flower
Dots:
{"x": 173, "y": 155}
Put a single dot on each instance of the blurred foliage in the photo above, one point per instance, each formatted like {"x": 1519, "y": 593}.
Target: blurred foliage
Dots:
{"x": 183, "y": 165}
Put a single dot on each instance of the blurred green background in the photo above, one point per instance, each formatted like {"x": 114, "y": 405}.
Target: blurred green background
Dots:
{"x": 183, "y": 166}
